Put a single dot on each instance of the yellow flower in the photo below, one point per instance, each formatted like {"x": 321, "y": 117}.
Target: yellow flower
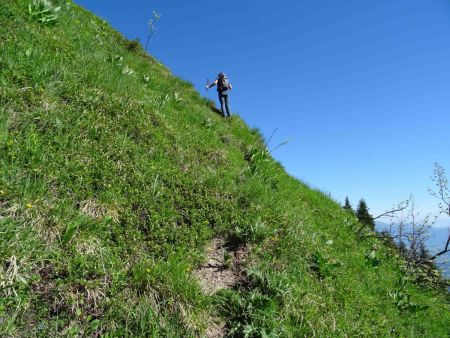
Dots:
{"x": 29, "y": 205}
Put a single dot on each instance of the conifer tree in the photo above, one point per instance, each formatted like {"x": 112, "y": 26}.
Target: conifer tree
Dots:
{"x": 402, "y": 248}
{"x": 347, "y": 205}
{"x": 423, "y": 253}
{"x": 362, "y": 212}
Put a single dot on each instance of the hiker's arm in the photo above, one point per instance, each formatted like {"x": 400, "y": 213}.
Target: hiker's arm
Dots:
{"x": 230, "y": 86}
{"x": 212, "y": 85}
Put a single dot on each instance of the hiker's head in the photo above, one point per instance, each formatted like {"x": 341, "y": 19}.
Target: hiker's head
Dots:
{"x": 221, "y": 75}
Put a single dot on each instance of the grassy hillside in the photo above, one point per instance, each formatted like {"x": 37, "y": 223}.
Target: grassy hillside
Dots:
{"x": 114, "y": 177}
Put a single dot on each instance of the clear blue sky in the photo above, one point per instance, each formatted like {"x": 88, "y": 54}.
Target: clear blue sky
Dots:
{"x": 361, "y": 88}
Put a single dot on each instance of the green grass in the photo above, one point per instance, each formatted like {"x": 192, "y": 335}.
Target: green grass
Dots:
{"x": 114, "y": 175}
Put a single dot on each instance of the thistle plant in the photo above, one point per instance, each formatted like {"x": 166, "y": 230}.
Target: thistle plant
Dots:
{"x": 152, "y": 26}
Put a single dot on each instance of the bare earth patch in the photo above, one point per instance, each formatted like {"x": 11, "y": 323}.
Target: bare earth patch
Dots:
{"x": 222, "y": 267}
{"x": 222, "y": 270}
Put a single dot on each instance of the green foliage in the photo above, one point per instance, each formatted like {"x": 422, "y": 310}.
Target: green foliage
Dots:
{"x": 275, "y": 285}
{"x": 402, "y": 299}
{"x": 115, "y": 60}
{"x": 323, "y": 266}
{"x": 43, "y": 11}
{"x": 254, "y": 310}
{"x": 372, "y": 259}
{"x": 362, "y": 213}
{"x": 253, "y": 232}
{"x": 425, "y": 273}
{"x": 347, "y": 205}
{"x": 257, "y": 313}
{"x": 227, "y": 260}
{"x": 70, "y": 230}
{"x": 256, "y": 159}
{"x": 133, "y": 45}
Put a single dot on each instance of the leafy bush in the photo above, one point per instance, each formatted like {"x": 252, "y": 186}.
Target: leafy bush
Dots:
{"x": 256, "y": 158}
{"x": 402, "y": 299}
{"x": 253, "y": 311}
{"x": 254, "y": 314}
{"x": 253, "y": 232}
{"x": 274, "y": 284}
{"x": 323, "y": 266}
{"x": 116, "y": 60}
{"x": 372, "y": 259}
{"x": 133, "y": 45}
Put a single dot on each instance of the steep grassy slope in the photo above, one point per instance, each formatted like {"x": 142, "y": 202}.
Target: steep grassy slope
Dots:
{"x": 114, "y": 175}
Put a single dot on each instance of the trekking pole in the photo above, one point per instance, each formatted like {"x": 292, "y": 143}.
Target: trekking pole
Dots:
{"x": 207, "y": 86}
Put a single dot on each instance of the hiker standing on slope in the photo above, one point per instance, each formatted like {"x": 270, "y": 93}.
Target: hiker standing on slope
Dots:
{"x": 223, "y": 88}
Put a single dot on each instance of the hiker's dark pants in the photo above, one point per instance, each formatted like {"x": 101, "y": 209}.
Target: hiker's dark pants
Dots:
{"x": 225, "y": 104}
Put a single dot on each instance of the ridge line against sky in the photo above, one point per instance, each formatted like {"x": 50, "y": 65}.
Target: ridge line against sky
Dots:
{"x": 361, "y": 88}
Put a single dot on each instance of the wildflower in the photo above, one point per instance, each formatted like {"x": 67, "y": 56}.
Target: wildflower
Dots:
{"x": 29, "y": 205}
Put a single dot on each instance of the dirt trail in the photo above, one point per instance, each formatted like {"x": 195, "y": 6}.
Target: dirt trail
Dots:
{"x": 222, "y": 270}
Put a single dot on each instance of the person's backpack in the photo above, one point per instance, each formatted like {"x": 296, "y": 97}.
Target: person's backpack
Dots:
{"x": 223, "y": 84}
